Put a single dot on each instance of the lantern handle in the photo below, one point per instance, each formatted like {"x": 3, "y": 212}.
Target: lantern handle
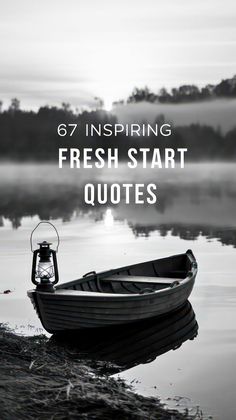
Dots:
{"x": 49, "y": 223}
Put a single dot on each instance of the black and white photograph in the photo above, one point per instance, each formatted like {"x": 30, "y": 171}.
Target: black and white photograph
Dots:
{"x": 117, "y": 209}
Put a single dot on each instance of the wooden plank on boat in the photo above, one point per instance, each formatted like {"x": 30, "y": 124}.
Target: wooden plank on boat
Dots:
{"x": 141, "y": 279}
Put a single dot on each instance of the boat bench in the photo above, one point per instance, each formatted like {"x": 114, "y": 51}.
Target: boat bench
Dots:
{"x": 141, "y": 279}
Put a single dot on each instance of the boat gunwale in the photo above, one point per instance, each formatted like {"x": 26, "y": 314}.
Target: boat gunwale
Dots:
{"x": 85, "y": 295}
{"x": 192, "y": 273}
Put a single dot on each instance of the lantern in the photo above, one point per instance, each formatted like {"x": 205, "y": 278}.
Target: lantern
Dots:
{"x": 44, "y": 266}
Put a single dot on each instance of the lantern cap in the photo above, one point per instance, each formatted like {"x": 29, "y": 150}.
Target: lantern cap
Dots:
{"x": 45, "y": 243}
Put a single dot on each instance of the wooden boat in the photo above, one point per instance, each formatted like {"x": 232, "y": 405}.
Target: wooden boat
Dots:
{"x": 125, "y": 346}
{"x": 117, "y": 296}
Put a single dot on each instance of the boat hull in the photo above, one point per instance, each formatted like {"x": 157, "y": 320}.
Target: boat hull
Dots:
{"x": 147, "y": 338}
{"x": 68, "y": 309}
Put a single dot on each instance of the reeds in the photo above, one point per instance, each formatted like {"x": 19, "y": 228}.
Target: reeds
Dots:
{"x": 41, "y": 380}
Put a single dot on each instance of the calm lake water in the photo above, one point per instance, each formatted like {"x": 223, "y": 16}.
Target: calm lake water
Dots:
{"x": 195, "y": 209}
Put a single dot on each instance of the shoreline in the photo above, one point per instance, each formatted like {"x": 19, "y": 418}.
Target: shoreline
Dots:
{"x": 42, "y": 380}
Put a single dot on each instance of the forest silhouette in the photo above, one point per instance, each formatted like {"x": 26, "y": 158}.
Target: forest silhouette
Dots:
{"x": 32, "y": 135}
{"x": 186, "y": 93}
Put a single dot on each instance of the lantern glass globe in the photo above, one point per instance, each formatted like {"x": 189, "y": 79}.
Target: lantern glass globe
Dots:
{"x": 45, "y": 270}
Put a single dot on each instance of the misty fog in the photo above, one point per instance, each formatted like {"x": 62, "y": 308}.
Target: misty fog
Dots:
{"x": 218, "y": 112}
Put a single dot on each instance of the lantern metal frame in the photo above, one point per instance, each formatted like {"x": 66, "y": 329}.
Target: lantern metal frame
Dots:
{"x": 51, "y": 252}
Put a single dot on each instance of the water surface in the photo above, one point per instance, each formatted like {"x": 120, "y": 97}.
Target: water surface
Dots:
{"x": 196, "y": 209}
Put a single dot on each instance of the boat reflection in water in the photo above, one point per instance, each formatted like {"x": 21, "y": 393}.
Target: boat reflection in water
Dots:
{"x": 127, "y": 346}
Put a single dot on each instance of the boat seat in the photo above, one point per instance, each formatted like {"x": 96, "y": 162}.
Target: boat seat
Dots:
{"x": 141, "y": 279}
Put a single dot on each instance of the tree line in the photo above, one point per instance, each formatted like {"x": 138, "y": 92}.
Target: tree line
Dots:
{"x": 32, "y": 135}
{"x": 185, "y": 93}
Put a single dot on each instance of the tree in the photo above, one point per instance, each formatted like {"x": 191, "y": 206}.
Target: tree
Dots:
{"x": 66, "y": 107}
{"x": 223, "y": 88}
{"x": 15, "y": 105}
{"x": 99, "y": 102}
{"x": 163, "y": 95}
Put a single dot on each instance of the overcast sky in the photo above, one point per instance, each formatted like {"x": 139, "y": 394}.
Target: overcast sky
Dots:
{"x": 72, "y": 50}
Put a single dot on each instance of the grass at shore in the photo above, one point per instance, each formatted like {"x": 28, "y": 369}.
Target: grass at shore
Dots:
{"x": 39, "y": 380}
